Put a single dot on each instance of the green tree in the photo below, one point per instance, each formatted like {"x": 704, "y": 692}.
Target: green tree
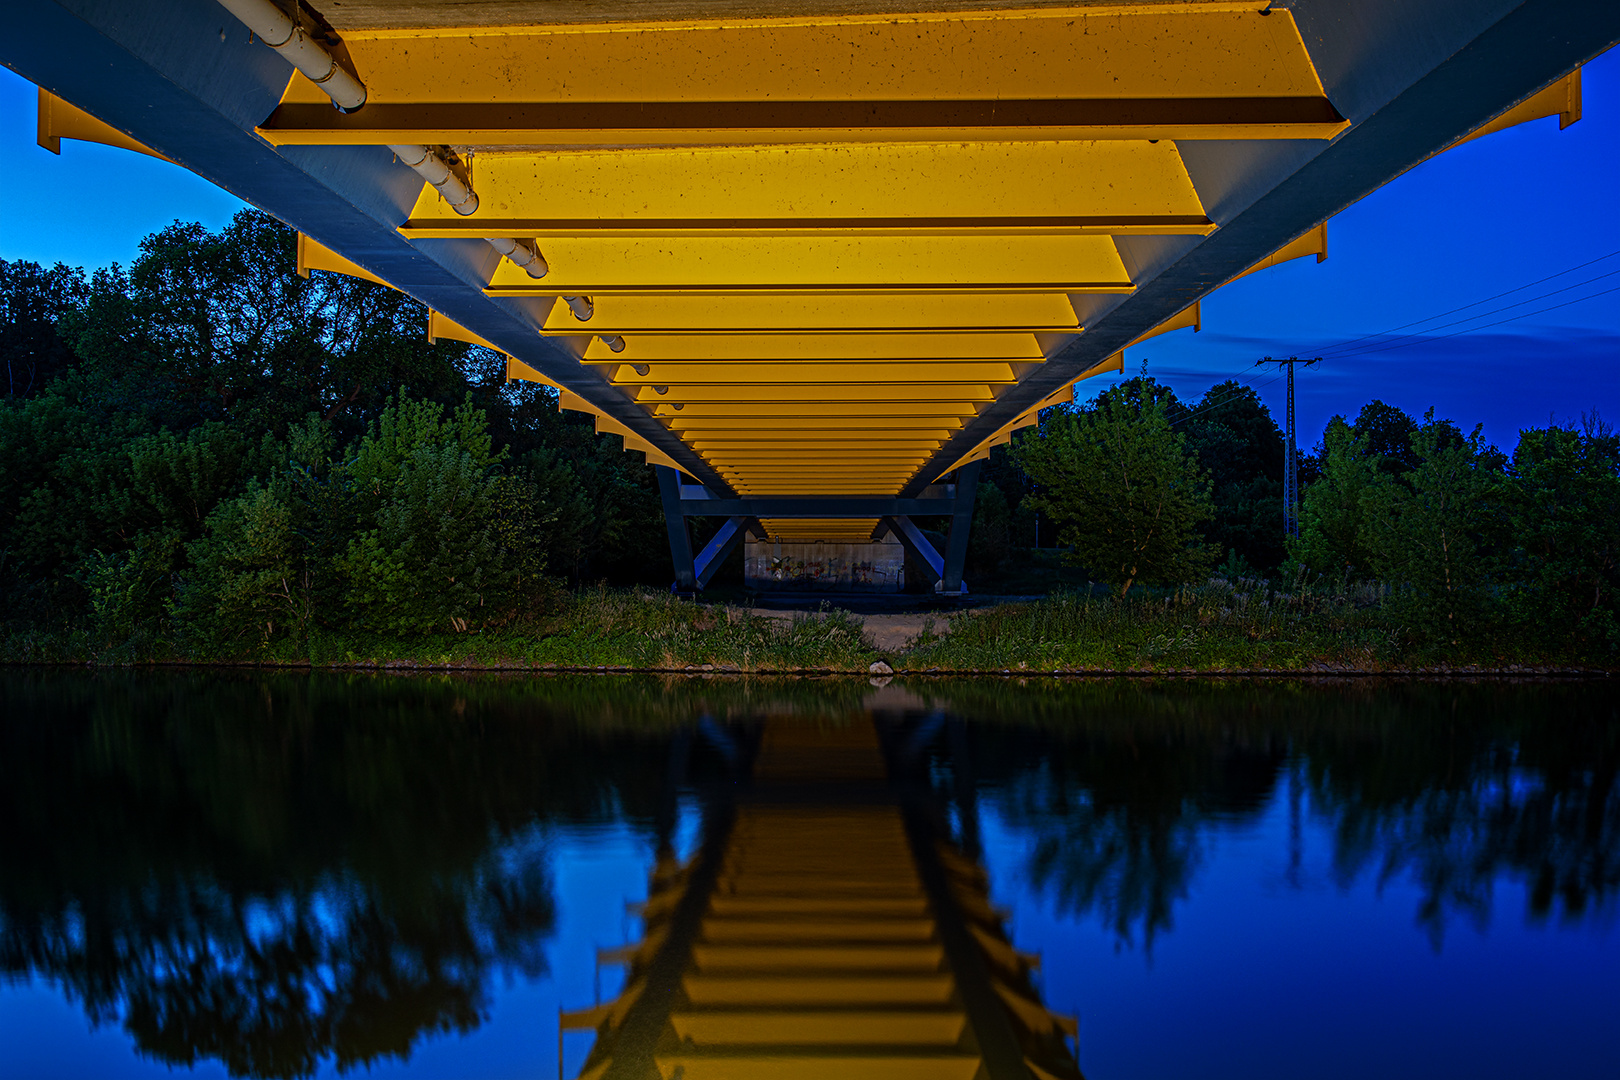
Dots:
{"x": 989, "y": 542}
{"x": 264, "y": 568}
{"x": 429, "y": 552}
{"x": 32, "y": 303}
{"x": 1563, "y": 500}
{"x": 559, "y": 504}
{"x": 1434, "y": 533}
{"x": 1120, "y": 483}
{"x": 218, "y": 325}
{"x": 246, "y": 580}
{"x": 1239, "y": 445}
{"x": 1331, "y": 521}
{"x": 1385, "y": 433}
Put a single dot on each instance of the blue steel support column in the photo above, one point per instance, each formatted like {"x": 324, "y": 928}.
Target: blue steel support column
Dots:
{"x": 967, "y": 486}
{"x": 680, "y": 537}
{"x": 916, "y": 544}
{"x": 718, "y": 549}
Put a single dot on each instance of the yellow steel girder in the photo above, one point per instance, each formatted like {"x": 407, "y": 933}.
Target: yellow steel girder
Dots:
{"x": 752, "y": 462}
{"x": 607, "y": 263}
{"x": 703, "y": 442}
{"x": 819, "y": 347}
{"x": 951, "y": 392}
{"x": 313, "y": 255}
{"x": 58, "y": 120}
{"x": 757, "y": 448}
{"x": 877, "y": 414}
{"x": 773, "y": 313}
{"x": 1562, "y": 99}
{"x": 810, "y": 438}
{"x": 1154, "y": 71}
{"x": 851, "y": 449}
{"x": 692, "y": 374}
{"x": 796, "y": 484}
{"x": 817, "y": 528}
{"x": 925, "y": 189}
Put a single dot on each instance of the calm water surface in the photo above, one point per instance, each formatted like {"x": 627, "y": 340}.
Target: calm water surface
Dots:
{"x": 245, "y": 875}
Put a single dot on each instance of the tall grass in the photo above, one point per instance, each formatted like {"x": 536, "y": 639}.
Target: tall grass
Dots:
{"x": 1221, "y": 625}
{"x": 1238, "y": 624}
{"x": 615, "y": 628}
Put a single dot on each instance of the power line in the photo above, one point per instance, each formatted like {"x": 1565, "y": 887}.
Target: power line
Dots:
{"x": 1233, "y": 396}
{"x": 1342, "y": 350}
{"x": 1425, "y": 335}
{"x": 1476, "y": 303}
{"x": 1499, "y": 322}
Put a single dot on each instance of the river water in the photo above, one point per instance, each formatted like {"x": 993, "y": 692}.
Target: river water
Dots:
{"x": 253, "y": 874}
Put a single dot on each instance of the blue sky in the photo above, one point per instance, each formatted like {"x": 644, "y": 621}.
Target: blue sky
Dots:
{"x": 1486, "y": 218}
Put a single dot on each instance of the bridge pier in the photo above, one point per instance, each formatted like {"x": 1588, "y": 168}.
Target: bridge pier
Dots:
{"x": 695, "y": 569}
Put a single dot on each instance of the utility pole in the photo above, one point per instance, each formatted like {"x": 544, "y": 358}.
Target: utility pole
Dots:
{"x": 1290, "y": 448}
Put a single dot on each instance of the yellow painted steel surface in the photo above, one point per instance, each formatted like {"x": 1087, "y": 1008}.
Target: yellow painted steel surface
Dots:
{"x": 1150, "y": 71}
{"x": 731, "y": 374}
{"x": 702, "y": 264}
{"x": 58, "y": 120}
{"x": 816, "y": 248}
{"x": 799, "y": 314}
{"x": 1038, "y": 188}
{"x": 760, "y": 347}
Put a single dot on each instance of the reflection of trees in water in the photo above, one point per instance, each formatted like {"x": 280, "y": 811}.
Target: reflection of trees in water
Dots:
{"x": 1532, "y": 797}
{"x": 1126, "y": 868}
{"x": 1453, "y": 786}
{"x": 277, "y": 871}
{"x": 272, "y": 983}
{"x": 1117, "y": 827}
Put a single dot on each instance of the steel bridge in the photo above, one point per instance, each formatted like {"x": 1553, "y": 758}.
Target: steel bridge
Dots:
{"x": 814, "y": 265}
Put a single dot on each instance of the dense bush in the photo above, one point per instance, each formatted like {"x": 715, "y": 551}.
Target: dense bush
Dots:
{"x": 1471, "y": 542}
{"x": 207, "y": 454}
{"x": 1125, "y": 492}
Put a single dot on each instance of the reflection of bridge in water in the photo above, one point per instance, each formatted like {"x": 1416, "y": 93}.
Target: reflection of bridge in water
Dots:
{"x": 828, "y": 926}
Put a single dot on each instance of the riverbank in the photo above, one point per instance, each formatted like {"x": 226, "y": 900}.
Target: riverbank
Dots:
{"x": 1243, "y": 628}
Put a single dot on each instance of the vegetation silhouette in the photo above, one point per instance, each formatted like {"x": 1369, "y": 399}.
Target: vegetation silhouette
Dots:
{"x": 1119, "y": 784}
{"x": 277, "y": 871}
{"x": 206, "y": 456}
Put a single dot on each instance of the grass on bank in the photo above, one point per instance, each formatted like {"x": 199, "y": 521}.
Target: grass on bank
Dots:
{"x": 1222, "y": 625}
{"x": 630, "y": 628}
{"x": 1248, "y": 624}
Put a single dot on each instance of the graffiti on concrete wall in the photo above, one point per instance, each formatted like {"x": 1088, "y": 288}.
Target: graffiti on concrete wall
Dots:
{"x": 873, "y": 567}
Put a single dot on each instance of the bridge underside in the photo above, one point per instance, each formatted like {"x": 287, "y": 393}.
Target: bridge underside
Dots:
{"x": 817, "y": 264}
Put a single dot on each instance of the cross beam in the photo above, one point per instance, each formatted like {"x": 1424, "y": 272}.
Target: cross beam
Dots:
{"x": 693, "y": 572}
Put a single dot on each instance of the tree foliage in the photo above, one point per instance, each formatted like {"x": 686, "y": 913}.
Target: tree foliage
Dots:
{"x": 1431, "y": 532}
{"x": 1563, "y": 506}
{"x": 1331, "y": 534}
{"x": 208, "y": 450}
{"x": 1467, "y": 538}
{"x": 1125, "y": 492}
{"x": 1239, "y": 446}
